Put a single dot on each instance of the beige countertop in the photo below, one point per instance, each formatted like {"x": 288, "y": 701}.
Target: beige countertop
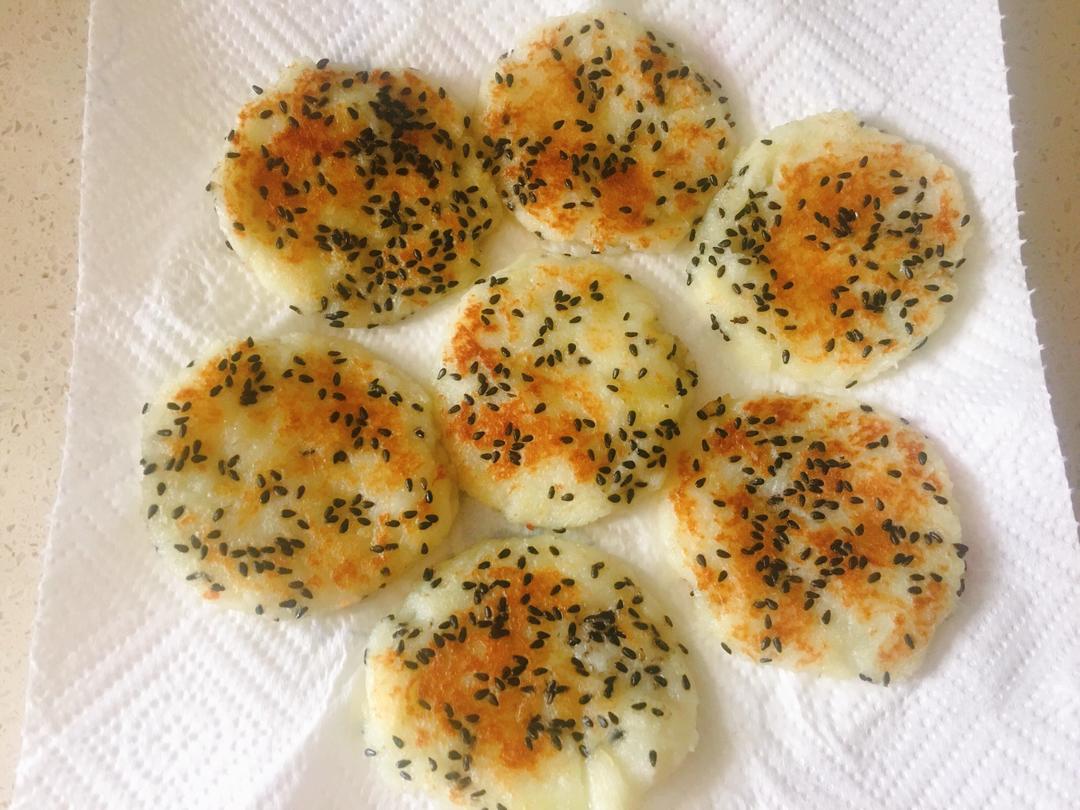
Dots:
{"x": 42, "y": 61}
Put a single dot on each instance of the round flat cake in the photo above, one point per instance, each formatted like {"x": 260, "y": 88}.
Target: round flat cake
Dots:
{"x": 529, "y": 673}
{"x": 819, "y": 534}
{"x": 604, "y": 135}
{"x": 293, "y": 475}
{"x": 832, "y": 250}
{"x": 356, "y": 196}
{"x": 560, "y": 391}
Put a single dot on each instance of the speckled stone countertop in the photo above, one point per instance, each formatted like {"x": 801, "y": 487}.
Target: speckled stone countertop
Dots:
{"x": 42, "y": 61}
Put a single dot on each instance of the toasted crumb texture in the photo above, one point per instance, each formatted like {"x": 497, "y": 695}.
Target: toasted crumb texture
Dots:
{"x": 529, "y": 673}
{"x": 832, "y": 249}
{"x": 355, "y": 195}
{"x": 560, "y": 391}
{"x": 604, "y": 135}
{"x": 818, "y": 533}
{"x": 293, "y": 475}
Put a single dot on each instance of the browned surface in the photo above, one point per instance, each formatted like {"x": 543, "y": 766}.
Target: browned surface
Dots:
{"x": 514, "y": 654}
{"x": 308, "y": 151}
{"x": 355, "y": 194}
{"x": 570, "y": 398}
{"x": 747, "y": 436}
{"x": 620, "y": 205}
{"x": 311, "y": 436}
{"x": 450, "y": 677}
{"x": 817, "y": 275}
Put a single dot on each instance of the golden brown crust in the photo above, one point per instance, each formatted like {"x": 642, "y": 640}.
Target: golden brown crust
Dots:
{"x": 290, "y": 475}
{"x": 838, "y": 248}
{"x": 604, "y": 135}
{"x": 524, "y": 657}
{"x": 355, "y": 193}
{"x": 450, "y": 678}
{"x": 808, "y": 526}
{"x": 560, "y": 391}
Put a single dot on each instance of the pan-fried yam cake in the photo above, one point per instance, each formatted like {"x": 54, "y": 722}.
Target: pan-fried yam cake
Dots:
{"x": 831, "y": 249}
{"x": 603, "y": 135}
{"x": 818, "y": 533}
{"x": 530, "y": 673}
{"x": 560, "y": 391}
{"x": 293, "y": 475}
{"x": 355, "y": 195}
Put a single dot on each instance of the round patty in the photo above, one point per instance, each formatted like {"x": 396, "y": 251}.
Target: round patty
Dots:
{"x": 355, "y": 195}
{"x": 604, "y": 135}
{"x": 831, "y": 250}
{"x": 560, "y": 391}
{"x": 818, "y": 533}
{"x": 293, "y": 475}
{"x": 529, "y": 673}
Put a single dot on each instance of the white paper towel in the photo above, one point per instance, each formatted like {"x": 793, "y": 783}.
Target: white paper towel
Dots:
{"x": 141, "y": 697}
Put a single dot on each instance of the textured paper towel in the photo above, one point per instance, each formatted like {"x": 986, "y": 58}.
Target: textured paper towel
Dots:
{"x": 142, "y": 698}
